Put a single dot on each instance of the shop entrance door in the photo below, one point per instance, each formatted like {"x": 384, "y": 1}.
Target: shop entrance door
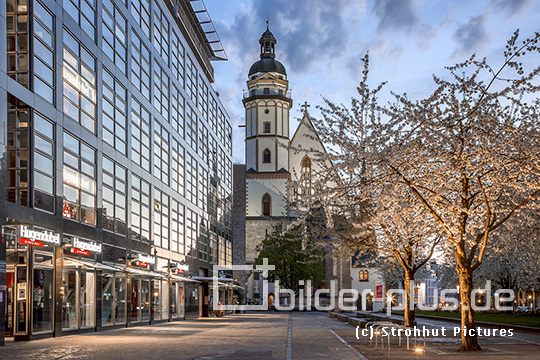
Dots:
{"x": 9, "y": 303}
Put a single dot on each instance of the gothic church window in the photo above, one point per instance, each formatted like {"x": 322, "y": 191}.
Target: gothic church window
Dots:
{"x": 305, "y": 174}
{"x": 266, "y": 205}
{"x": 266, "y": 156}
{"x": 266, "y": 127}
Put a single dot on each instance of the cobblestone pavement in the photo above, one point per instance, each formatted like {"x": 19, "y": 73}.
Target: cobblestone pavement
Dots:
{"x": 240, "y": 336}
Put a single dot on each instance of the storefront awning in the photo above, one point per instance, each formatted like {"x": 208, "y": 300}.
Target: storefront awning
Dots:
{"x": 183, "y": 278}
{"x": 150, "y": 273}
{"x": 208, "y": 279}
{"x": 88, "y": 263}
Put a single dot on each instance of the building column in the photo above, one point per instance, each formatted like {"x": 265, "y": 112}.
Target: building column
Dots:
{"x": 58, "y": 290}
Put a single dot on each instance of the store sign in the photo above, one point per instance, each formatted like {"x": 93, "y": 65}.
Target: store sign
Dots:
{"x": 85, "y": 247}
{"x": 31, "y": 242}
{"x": 141, "y": 263}
{"x": 80, "y": 252}
{"x": 182, "y": 268}
{"x": 378, "y": 293}
{"x": 37, "y": 238}
{"x": 146, "y": 259}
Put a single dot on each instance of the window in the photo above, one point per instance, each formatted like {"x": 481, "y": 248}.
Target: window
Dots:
{"x": 44, "y": 169}
{"x": 191, "y": 179}
{"x": 84, "y": 14}
{"x": 267, "y": 127}
{"x": 140, "y": 10}
{"x": 222, "y": 250}
{"x": 266, "y": 205}
{"x": 191, "y": 128}
{"x": 114, "y": 112}
{"x": 79, "y": 83}
{"x": 305, "y": 175}
{"x": 161, "y": 34}
{"x": 191, "y": 233}
{"x": 161, "y": 153}
{"x": 18, "y": 118}
{"x": 177, "y": 54}
{"x": 140, "y": 66}
{"x": 213, "y": 114}
{"x": 266, "y": 91}
{"x": 43, "y": 52}
{"x": 202, "y": 241}
{"x": 140, "y": 131}
{"x": 177, "y": 227}
{"x": 114, "y": 197}
{"x": 114, "y": 35}
{"x": 203, "y": 98}
{"x": 161, "y": 219}
{"x": 161, "y": 91}
{"x": 140, "y": 209}
{"x": 363, "y": 275}
{"x": 203, "y": 142}
{"x": 266, "y": 156}
{"x": 177, "y": 178}
{"x": 191, "y": 79}
{"x": 203, "y": 189}
{"x": 79, "y": 181}
{"x": 17, "y": 40}
{"x": 177, "y": 111}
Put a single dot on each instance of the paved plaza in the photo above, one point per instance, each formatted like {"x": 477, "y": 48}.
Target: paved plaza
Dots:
{"x": 265, "y": 335}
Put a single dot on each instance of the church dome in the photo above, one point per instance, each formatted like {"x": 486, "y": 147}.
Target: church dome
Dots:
{"x": 268, "y": 62}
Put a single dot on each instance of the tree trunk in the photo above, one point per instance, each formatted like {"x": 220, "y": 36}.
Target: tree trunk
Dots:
{"x": 469, "y": 338}
{"x": 408, "y": 313}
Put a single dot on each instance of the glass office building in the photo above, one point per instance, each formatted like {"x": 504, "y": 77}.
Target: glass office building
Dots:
{"x": 116, "y": 169}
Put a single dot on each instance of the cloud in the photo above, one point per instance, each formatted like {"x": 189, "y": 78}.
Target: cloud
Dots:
{"x": 471, "y": 36}
{"x": 511, "y": 6}
{"x": 395, "y": 15}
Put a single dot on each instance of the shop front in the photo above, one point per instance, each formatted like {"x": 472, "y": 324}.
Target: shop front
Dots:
{"x": 29, "y": 306}
{"x": 57, "y": 284}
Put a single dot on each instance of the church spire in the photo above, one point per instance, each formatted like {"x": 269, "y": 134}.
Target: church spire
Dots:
{"x": 268, "y": 43}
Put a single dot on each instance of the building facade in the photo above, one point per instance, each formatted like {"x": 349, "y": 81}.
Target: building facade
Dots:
{"x": 116, "y": 170}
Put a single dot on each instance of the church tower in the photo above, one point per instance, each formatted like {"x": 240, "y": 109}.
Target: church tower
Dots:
{"x": 267, "y": 102}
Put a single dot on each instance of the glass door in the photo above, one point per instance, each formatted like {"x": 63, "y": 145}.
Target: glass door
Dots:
{"x": 145, "y": 300}
{"x": 42, "y": 293}
{"x": 10, "y": 302}
{"x": 69, "y": 299}
{"x": 135, "y": 300}
{"x": 87, "y": 298}
{"x": 180, "y": 302}
{"x": 107, "y": 307}
{"x": 156, "y": 296}
{"x": 120, "y": 297}
{"x": 42, "y": 302}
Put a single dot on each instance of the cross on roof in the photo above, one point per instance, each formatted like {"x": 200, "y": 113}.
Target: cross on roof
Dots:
{"x": 305, "y": 106}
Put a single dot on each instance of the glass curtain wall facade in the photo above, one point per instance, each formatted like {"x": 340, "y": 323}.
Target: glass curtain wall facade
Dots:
{"x": 117, "y": 158}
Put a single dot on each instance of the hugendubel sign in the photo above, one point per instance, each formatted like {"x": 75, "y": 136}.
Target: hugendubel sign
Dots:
{"x": 36, "y": 237}
{"x": 84, "y": 247}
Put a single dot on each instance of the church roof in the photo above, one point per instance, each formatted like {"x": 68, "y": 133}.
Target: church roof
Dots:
{"x": 267, "y": 64}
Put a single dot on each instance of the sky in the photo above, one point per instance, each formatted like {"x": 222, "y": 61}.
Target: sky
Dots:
{"x": 321, "y": 44}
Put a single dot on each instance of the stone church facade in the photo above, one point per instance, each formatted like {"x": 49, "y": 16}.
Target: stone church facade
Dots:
{"x": 278, "y": 170}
